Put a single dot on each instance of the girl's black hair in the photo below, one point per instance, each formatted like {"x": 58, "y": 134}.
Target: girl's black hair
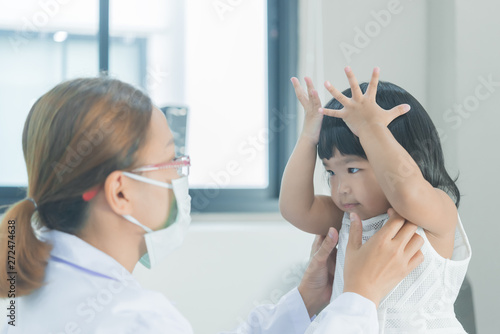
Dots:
{"x": 414, "y": 130}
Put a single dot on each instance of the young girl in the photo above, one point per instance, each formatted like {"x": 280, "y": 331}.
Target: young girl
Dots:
{"x": 381, "y": 150}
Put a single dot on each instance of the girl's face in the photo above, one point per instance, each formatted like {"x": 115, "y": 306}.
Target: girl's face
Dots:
{"x": 354, "y": 187}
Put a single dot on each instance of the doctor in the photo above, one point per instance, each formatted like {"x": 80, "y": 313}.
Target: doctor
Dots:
{"x": 105, "y": 191}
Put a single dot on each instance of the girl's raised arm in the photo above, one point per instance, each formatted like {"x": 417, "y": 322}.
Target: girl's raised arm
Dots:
{"x": 298, "y": 204}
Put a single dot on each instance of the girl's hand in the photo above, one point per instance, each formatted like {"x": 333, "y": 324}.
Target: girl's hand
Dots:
{"x": 362, "y": 109}
{"x": 311, "y": 103}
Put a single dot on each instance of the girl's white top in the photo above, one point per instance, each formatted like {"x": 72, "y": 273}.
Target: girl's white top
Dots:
{"x": 423, "y": 301}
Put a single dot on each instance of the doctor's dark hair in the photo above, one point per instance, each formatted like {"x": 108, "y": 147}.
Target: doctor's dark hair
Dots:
{"x": 75, "y": 135}
{"x": 414, "y": 130}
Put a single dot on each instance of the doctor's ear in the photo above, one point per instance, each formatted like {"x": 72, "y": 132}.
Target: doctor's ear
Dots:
{"x": 117, "y": 192}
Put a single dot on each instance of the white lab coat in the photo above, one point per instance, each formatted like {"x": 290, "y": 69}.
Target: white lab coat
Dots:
{"x": 87, "y": 291}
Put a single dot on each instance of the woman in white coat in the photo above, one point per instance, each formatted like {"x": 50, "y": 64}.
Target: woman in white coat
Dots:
{"x": 105, "y": 191}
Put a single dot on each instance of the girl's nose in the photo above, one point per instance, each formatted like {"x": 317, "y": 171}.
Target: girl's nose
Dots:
{"x": 343, "y": 187}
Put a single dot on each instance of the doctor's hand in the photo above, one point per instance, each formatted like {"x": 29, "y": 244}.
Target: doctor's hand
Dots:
{"x": 316, "y": 285}
{"x": 373, "y": 269}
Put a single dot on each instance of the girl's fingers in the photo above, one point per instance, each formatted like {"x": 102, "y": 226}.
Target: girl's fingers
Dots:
{"x": 310, "y": 87}
{"x": 344, "y": 100}
{"x": 353, "y": 83}
{"x": 315, "y": 99}
{"x": 299, "y": 92}
{"x": 371, "y": 91}
{"x": 313, "y": 93}
{"x": 399, "y": 110}
{"x": 331, "y": 112}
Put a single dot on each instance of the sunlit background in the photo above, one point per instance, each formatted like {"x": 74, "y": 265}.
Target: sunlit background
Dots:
{"x": 181, "y": 52}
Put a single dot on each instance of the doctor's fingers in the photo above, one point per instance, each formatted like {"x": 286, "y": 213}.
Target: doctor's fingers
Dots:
{"x": 327, "y": 246}
{"x": 406, "y": 232}
{"x": 413, "y": 246}
{"x": 332, "y": 262}
{"x": 412, "y": 255}
{"x": 318, "y": 240}
{"x": 392, "y": 227}
{"x": 417, "y": 259}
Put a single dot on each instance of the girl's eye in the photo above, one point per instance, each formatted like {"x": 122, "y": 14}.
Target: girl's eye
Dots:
{"x": 330, "y": 173}
{"x": 353, "y": 170}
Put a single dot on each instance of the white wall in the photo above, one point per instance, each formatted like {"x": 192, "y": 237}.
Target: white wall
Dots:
{"x": 478, "y": 55}
{"x": 228, "y": 265}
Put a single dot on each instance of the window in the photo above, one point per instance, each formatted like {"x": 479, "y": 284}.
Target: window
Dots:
{"x": 224, "y": 64}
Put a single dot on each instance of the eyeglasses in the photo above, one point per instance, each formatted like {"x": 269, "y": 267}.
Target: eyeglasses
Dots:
{"x": 181, "y": 164}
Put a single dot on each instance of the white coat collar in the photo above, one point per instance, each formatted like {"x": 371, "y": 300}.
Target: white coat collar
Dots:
{"x": 72, "y": 250}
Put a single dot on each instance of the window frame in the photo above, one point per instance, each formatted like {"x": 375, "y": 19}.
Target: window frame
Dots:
{"x": 282, "y": 32}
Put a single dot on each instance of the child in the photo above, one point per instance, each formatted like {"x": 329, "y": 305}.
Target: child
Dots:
{"x": 380, "y": 154}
